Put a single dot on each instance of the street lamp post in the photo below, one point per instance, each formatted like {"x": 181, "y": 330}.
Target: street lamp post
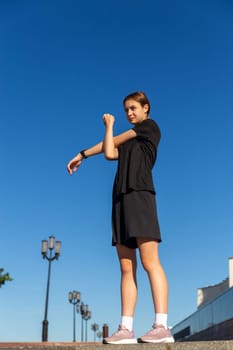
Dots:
{"x": 86, "y": 315}
{"x": 49, "y": 245}
{"x": 99, "y": 334}
{"x": 74, "y": 298}
{"x": 82, "y": 312}
{"x": 86, "y": 318}
{"x": 95, "y": 328}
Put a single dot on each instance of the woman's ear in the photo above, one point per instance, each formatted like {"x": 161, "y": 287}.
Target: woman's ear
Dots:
{"x": 146, "y": 108}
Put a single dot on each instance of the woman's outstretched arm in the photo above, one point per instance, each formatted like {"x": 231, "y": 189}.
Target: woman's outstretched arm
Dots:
{"x": 74, "y": 163}
{"x": 109, "y": 146}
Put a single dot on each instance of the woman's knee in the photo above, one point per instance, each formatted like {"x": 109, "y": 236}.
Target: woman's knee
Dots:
{"x": 127, "y": 259}
{"x": 148, "y": 264}
{"x": 149, "y": 254}
{"x": 128, "y": 266}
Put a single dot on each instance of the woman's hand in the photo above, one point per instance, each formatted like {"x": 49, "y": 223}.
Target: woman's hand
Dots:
{"x": 108, "y": 119}
{"x": 74, "y": 163}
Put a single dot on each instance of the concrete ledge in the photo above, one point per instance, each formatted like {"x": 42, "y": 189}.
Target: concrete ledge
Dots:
{"x": 205, "y": 345}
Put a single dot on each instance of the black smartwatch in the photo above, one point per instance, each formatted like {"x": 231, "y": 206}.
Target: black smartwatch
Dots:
{"x": 83, "y": 154}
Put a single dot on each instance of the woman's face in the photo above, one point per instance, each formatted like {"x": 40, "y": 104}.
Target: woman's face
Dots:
{"x": 135, "y": 112}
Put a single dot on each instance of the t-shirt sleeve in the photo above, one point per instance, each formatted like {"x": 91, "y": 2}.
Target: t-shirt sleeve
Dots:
{"x": 148, "y": 130}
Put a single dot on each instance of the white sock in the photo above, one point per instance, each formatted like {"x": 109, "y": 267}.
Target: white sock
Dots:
{"x": 161, "y": 319}
{"x": 127, "y": 321}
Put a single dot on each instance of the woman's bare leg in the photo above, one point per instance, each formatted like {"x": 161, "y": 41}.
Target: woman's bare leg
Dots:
{"x": 128, "y": 265}
{"x": 158, "y": 281}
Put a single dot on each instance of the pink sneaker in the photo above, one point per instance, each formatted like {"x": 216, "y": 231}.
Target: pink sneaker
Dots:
{"x": 158, "y": 334}
{"x": 122, "y": 336}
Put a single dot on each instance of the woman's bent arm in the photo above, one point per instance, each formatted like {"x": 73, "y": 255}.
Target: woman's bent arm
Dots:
{"x": 111, "y": 142}
{"x": 109, "y": 146}
{"x": 110, "y": 150}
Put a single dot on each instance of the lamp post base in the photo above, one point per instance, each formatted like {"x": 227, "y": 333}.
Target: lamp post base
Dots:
{"x": 45, "y": 330}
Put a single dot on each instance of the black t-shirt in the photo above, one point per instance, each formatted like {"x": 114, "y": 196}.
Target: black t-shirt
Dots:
{"x": 137, "y": 158}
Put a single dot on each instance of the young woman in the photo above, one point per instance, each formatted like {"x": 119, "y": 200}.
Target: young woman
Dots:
{"x": 134, "y": 215}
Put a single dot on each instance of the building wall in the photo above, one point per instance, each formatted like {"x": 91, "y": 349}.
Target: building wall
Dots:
{"x": 221, "y": 331}
{"x": 217, "y": 311}
{"x": 213, "y": 319}
{"x": 230, "y": 264}
{"x": 206, "y": 294}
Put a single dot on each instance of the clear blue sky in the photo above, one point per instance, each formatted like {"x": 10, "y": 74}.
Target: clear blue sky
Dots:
{"x": 62, "y": 65}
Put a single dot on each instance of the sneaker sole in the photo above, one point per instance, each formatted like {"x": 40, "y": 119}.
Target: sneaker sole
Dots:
{"x": 122, "y": 341}
{"x": 163, "y": 340}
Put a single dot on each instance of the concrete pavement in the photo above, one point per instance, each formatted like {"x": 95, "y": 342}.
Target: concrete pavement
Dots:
{"x": 208, "y": 345}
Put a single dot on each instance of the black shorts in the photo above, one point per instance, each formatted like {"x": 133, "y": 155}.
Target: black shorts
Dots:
{"x": 134, "y": 214}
